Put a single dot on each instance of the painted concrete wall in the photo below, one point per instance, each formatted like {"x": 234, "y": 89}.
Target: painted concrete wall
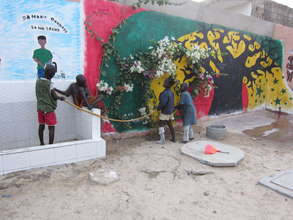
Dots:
{"x": 263, "y": 86}
{"x": 18, "y": 110}
{"x": 21, "y": 23}
{"x": 67, "y": 48}
{"x": 251, "y": 64}
{"x": 90, "y": 146}
{"x": 101, "y": 17}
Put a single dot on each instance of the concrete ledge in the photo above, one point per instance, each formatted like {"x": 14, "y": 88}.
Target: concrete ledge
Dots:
{"x": 90, "y": 147}
{"x": 48, "y": 155}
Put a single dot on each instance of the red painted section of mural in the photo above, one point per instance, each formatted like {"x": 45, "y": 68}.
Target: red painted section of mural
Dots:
{"x": 244, "y": 97}
{"x": 203, "y": 103}
{"x": 103, "y": 17}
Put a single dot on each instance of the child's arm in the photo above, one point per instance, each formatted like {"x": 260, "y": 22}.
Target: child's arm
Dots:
{"x": 61, "y": 92}
{"x": 67, "y": 92}
{"x": 163, "y": 101}
{"x": 181, "y": 102}
{"x": 38, "y": 62}
{"x": 84, "y": 94}
{"x": 55, "y": 96}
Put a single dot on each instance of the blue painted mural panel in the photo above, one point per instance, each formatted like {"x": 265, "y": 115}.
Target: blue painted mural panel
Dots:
{"x": 22, "y": 21}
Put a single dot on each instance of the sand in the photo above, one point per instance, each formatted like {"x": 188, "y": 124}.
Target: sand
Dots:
{"x": 155, "y": 183}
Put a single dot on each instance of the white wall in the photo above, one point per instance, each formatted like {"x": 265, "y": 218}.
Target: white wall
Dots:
{"x": 61, "y": 153}
{"x": 213, "y": 15}
{"x": 18, "y": 111}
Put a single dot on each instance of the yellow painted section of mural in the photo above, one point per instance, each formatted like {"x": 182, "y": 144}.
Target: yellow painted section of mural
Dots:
{"x": 157, "y": 87}
{"x": 265, "y": 84}
{"x": 278, "y": 94}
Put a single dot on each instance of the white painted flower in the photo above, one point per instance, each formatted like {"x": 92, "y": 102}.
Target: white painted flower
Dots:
{"x": 128, "y": 87}
{"x": 142, "y": 110}
{"x": 137, "y": 67}
{"x": 104, "y": 87}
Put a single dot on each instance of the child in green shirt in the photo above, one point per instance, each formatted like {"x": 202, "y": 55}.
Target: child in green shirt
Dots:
{"x": 47, "y": 103}
{"x": 42, "y": 56}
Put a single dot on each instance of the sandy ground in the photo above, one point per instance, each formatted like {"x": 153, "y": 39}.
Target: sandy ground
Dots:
{"x": 153, "y": 185}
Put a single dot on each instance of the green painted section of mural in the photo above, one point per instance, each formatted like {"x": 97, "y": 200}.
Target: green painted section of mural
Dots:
{"x": 137, "y": 34}
{"x": 247, "y": 60}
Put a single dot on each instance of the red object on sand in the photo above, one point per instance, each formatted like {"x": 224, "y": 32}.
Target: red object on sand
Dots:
{"x": 209, "y": 149}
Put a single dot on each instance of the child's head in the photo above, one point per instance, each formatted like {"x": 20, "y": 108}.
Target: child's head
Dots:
{"x": 50, "y": 70}
{"x": 81, "y": 80}
{"x": 169, "y": 82}
{"x": 42, "y": 40}
{"x": 184, "y": 87}
{"x": 290, "y": 59}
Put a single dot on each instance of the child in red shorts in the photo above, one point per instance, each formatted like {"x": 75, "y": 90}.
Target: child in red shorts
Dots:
{"x": 47, "y": 103}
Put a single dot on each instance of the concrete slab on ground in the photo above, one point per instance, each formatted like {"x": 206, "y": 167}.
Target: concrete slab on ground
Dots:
{"x": 281, "y": 182}
{"x": 258, "y": 124}
{"x": 196, "y": 150}
{"x": 237, "y": 123}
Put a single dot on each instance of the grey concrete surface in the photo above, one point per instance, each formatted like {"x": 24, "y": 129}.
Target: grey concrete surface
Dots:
{"x": 237, "y": 123}
{"x": 281, "y": 182}
{"x": 195, "y": 149}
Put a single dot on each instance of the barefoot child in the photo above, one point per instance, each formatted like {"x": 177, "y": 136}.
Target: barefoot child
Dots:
{"x": 80, "y": 93}
{"x": 47, "y": 103}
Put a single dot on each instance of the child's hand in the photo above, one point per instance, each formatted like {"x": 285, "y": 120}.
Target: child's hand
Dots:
{"x": 90, "y": 107}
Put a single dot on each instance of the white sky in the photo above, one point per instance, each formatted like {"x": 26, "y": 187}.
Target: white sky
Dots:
{"x": 289, "y": 3}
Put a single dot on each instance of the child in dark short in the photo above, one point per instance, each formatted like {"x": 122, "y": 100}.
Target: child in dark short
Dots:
{"x": 167, "y": 109}
{"x": 47, "y": 103}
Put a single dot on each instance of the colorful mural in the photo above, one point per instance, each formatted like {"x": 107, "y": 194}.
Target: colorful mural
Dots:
{"x": 100, "y": 22}
{"x": 21, "y": 23}
{"x": 250, "y": 65}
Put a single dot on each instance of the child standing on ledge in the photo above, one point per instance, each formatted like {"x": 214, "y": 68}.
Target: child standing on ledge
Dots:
{"x": 47, "y": 103}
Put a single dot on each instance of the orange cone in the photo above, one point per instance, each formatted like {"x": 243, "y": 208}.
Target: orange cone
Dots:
{"x": 209, "y": 149}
